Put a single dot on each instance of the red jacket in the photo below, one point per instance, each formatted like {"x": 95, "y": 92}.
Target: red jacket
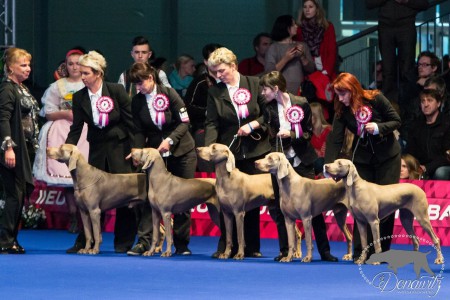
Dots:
{"x": 328, "y": 49}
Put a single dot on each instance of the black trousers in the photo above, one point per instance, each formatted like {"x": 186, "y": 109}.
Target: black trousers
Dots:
{"x": 318, "y": 222}
{"x": 14, "y": 196}
{"x": 387, "y": 172}
{"x": 251, "y": 219}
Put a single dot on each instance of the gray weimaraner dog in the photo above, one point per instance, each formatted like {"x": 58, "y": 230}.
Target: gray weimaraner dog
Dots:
{"x": 169, "y": 194}
{"x": 304, "y": 198}
{"x": 371, "y": 202}
{"x": 238, "y": 192}
{"x": 97, "y": 191}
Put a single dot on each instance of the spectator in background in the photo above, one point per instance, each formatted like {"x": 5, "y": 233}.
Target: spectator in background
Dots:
{"x": 377, "y": 84}
{"x": 293, "y": 59}
{"x": 140, "y": 52}
{"x": 438, "y": 83}
{"x": 430, "y": 137}
{"x": 254, "y": 66}
{"x": 410, "y": 168}
{"x": 397, "y": 38}
{"x": 195, "y": 99}
{"x": 57, "y": 109}
{"x": 318, "y": 33}
{"x": 181, "y": 77}
{"x": 321, "y": 129}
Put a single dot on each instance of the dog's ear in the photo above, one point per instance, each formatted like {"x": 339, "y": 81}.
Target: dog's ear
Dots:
{"x": 148, "y": 160}
{"x": 282, "y": 167}
{"x": 352, "y": 173}
{"x": 73, "y": 160}
{"x": 231, "y": 164}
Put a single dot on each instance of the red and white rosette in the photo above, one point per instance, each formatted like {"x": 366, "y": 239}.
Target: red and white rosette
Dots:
{"x": 241, "y": 97}
{"x": 160, "y": 104}
{"x": 295, "y": 115}
{"x": 104, "y": 105}
{"x": 363, "y": 116}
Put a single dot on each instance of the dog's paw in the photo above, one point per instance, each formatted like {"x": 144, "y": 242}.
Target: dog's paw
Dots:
{"x": 224, "y": 256}
{"x": 359, "y": 261}
{"x": 347, "y": 257}
{"x": 286, "y": 259}
{"x": 93, "y": 251}
{"x": 307, "y": 259}
{"x": 298, "y": 254}
{"x": 166, "y": 254}
{"x": 148, "y": 253}
{"x": 439, "y": 261}
{"x": 239, "y": 256}
{"x": 83, "y": 251}
{"x": 158, "y": 249}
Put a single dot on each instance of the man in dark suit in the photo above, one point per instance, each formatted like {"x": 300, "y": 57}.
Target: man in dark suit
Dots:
{"x": 106, "y": 109}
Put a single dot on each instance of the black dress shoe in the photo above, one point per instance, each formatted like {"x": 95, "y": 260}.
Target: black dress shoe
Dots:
{"x": 19, "y": 248}
{"x": 279, "y": 257}
{"x": 328, "y": 257}
{"x": 11, "y": 250}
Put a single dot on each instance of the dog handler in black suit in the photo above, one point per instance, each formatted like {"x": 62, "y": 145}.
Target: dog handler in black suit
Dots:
{"x": 234, "y": 117}
{"x": 106, "y": 109}
{"x": 369, "y": 115}
{"x": 162, "y": 122}
{"x": 280, "y": 115}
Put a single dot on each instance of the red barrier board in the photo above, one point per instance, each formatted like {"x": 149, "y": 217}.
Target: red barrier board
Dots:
{"x": 438, "y": 195}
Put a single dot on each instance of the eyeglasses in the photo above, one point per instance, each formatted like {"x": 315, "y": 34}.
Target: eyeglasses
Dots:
{"x": 423, "y": 65}
{"x": 141, "y": 52}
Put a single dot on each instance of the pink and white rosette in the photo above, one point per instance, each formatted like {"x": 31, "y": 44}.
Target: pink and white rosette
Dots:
{"x": 241, "y": 97}
{"x": 104, "y": 105}
{"x": 363, "y": 116}
{"x": 295, "y": 115}
{"x": 160, "y": 104}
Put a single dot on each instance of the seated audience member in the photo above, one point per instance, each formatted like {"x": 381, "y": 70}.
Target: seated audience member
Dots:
{"x": 438, "y": 83}
{"x": 141, "y": 52}
{"x": 321, "y": 129}
{"x": 429, "y": 137}
{"x": 377, "y": 84}
{"x": 427, "y": 66}
{"x": 410, "y": 168}
{"x": 195, "y": 100}
{"x": 254, "y": 66}
{"x": 181, "y": 76}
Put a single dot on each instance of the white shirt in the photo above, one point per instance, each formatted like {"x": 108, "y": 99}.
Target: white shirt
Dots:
{"x": 150, "y": 97}
{"x": 95, "y": 112}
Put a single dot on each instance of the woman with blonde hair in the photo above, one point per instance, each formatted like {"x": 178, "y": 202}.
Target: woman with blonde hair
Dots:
{"x": 321, "y": 129}
{"x": 234, "y": 117}
{"x": 182, "y": 75}
{"x": 369, "y": 115}
{"x": 106, "y": 109}
{"x": 18, "y": 125}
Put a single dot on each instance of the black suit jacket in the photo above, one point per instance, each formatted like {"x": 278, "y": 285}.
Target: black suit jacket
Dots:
{"x": 222, "y": 121}
{"x": 302, "y": 146}
{"x": 382, "y": 146}
{"x": 149, "y": 135}
{"x": 108, "y": 146}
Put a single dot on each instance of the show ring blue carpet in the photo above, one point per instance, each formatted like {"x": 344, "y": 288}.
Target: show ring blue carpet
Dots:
{"x": 47, "y": 272}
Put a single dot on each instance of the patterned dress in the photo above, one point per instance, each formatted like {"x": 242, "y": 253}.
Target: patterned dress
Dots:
{"x": 54, "y": 133}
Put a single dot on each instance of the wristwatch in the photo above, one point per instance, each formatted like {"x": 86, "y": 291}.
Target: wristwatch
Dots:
{"x": 170, "y": 141}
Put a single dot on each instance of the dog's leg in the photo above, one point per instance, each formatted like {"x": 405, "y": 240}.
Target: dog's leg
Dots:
{"x": 407, "y": 219}
{"x": 341, "y": 215}
{"x": 362, "y": 227}
{"x": 240, "y": 234}
{"x": 167, "y": 218}
{"x": 375, "y": 227}
{"x": 298, "y": 243}
{"x": 424, "y": 221}
{"x": 156, "y": 220}
{"x": 96, "y": 228}
{"x": 290, "y": 227}
{"x": 162, "y": 236}
{"x": 308, "y": 238}
{"x": 228, "y": 220}
{"x": 87, "y": 226}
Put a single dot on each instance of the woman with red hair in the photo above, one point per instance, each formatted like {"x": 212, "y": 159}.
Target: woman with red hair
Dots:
{"x": 376, "y": 152}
